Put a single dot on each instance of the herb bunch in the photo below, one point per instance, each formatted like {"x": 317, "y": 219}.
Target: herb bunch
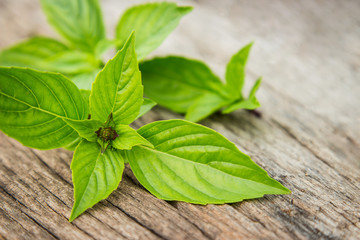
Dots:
{"x": 180, "y": 84}
{"x": 173, "y": 159}
{"x": 88, "y": 107}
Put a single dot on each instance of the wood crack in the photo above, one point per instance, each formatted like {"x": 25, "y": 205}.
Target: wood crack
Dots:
{"x": 346, "y": 217}
{"x": 138, "y": 222}
{"x": 48, "y": 167}
{"x": 41, "y": 226}
{"x": 64, "y": 161}
{"x": 12, "y": 219}
{"x": 204, "y": 233}
{"x": 61, "y": 215}
{"x": 315, "y": 154}
{"x": 13, "y": 197}
{"x": 301, "y": 225}
{"x": 107, "y": 224}
{"x": 53, "y": 195}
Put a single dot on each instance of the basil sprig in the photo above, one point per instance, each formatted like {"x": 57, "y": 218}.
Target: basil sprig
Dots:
{"x": 173, "y": 159}
{"x": 189, "y": 86}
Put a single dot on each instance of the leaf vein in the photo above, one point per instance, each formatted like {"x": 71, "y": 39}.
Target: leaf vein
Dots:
{"x": 57, "y": 99}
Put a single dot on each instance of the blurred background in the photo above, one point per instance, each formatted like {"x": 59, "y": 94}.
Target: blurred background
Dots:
{"x": 307, "y": 50}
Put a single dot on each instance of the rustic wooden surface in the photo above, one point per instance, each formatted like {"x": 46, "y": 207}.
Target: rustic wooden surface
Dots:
{"x": 308, "y": 135}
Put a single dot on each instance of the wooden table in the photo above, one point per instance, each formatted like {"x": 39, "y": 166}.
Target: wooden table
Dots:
{"x": 308, "y": 135}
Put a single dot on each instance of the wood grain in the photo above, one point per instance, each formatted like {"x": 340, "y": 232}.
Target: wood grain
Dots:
{"x": 307, "y": 135}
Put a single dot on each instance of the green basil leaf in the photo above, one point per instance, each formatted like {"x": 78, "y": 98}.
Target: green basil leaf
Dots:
{"x": 33, "y": 106}
{"x": 176, "y": 82}
{"x": 72, "y": 62}
{"x": 117, "y": 88}
{"x": 85, "y": 128}
{"x": 235, "y": 72}
{"x": 80, "y": 22}
{"x": 33, "y": 53}
{"x": 94, "y": 175}
{"x": 255, "y": 88}
{"x": 48, "y": 54}
{"x": 152, "y": 23}
{"x": 147, "y": 105}
{"x": 195, "y": 164}
{"x": 204, "y": 106}
{"x": 242, "y": 104}
{"x": 85, "y": 80}
{"x": 250, "y": 103}
{"x": 128, "y": 138}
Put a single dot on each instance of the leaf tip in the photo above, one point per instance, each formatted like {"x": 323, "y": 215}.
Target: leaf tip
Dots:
{"x": 132, "y": 36}
{"x": 73, "y": 215}
{"x": 283, "y": 190}
{"x": 259, "y": 80}
{"x": 130, "y": 41}
{"x": 186, "y": 9}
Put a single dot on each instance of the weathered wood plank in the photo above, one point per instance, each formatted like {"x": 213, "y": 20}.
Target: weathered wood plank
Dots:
{"x": 307, "y": 136}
